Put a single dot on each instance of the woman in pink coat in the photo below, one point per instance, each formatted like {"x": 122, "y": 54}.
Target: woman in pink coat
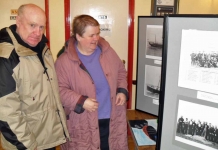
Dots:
{"x": 93, "y": 89}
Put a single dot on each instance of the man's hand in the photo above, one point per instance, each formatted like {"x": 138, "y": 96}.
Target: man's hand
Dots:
{"x": 120, "y": 99}
{"x": 90, "y": 104}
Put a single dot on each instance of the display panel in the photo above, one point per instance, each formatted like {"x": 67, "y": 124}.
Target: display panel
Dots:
{"x": 149, "y": 60}
{"x": 188, "y": 101}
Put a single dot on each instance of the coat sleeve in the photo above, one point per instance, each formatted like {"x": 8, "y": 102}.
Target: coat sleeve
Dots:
{"x": 71, "y": 100}
{"x": 13, "y": 126}
{"x": 122, "y": 76}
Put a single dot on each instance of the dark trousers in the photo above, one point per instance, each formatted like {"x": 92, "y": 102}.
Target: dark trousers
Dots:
{"x": 51, "y": 148}
{"x": 104, "y": 133}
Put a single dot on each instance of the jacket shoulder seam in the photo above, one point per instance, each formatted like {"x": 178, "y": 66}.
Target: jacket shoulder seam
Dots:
{"x": 6, "y": 49}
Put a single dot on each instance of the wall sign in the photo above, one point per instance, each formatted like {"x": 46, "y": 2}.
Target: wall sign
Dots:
{"x": 13, "y": 11}
{"x": 162, "y": 7}
{"x": 14, "y": 14}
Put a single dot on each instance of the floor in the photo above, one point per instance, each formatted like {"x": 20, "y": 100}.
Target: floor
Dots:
{"x": 130, "y": 143}
{"x": 131, "y": 115}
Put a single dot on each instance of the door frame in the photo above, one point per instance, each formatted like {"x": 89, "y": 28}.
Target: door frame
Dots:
{"x": 130, "y": 41}
{"x": 47, "y": 31}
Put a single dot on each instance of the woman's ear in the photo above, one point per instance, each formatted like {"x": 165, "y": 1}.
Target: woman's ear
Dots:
{"x": 78, "y": 37}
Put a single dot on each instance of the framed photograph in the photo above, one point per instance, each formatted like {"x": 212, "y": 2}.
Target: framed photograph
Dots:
{"x": 154, "y": 41}
{"x": 152, "y": 81}
{"x": 162, "y": 7}
{"x": 149, "y": 60}
{"x": 188, "y": 100}
{"x": 193, "y": 127}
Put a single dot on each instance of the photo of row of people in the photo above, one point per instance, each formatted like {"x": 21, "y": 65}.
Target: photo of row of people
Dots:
{"x": 202, "y": 59}
{"x": 195, "y": 127}
{"x": 192, "y": 127}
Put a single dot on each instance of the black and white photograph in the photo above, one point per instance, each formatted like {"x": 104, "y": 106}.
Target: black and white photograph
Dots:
{"x": 196, "y": 125}
{"x": 152, "y": 81}
{"x": 204, "y": 60}
{"x": 198, "y": 68}
{"x": 147, "y": 89}
{"x": 154, "y": 41}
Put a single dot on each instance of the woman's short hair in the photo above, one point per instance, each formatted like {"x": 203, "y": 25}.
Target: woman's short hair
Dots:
{"x": 81, "y": 22}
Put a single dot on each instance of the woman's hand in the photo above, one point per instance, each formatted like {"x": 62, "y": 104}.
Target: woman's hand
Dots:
{"x": 90, "y": 104}
{"x": 120, "y": 99}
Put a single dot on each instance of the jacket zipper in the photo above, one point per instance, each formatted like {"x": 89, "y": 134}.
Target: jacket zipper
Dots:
{"x": 45, "y": 71}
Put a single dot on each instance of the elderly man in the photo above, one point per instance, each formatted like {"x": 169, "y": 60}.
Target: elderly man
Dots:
{"x": 31, "y": 115}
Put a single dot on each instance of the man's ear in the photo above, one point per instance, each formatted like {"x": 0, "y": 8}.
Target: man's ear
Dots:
{"x": 18, "y": 20}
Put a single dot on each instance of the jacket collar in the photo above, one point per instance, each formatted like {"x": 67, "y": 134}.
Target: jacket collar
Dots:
{"x": 20, "y": 49}
{"x": 20, "y": 41}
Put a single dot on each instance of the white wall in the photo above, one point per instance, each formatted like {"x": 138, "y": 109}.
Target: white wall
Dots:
{"x": 198, "y": 7}
{"x": 214, "y": 6}
{"x": 57, "y": 26}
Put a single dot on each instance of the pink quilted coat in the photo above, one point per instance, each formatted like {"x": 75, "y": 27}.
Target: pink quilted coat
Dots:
{"x": 75, "y": 82}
